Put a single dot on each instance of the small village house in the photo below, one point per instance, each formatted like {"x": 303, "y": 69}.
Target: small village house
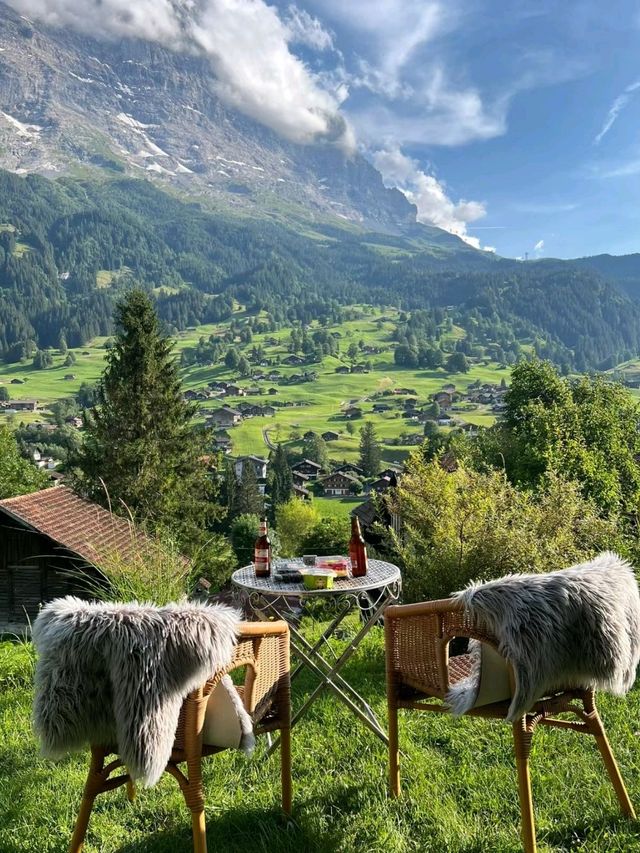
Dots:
{"x": 259, "y": 466}
{"x": 23, "y": 405}
{"x": 224, "y": 417}
{"x": 308, "y": 467}
{"x": 338, "y": 483}
{"x": 50, "y": 544}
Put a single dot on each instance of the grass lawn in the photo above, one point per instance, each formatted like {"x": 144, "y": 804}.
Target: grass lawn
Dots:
{"x": 338, "y": 507}
{"x": 458, "y": 776}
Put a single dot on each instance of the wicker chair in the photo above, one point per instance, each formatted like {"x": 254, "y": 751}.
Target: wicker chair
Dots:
{"x": 419, "y": 668}
{"x": 263, "y": 648}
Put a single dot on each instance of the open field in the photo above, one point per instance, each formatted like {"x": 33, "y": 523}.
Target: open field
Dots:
{"x": 316, "y": 406}
{"x": 459, "y": 784}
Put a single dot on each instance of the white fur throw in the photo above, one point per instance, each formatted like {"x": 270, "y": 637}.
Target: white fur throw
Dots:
{"x": 116, "y": 674}
{"x": 578, "y": 627}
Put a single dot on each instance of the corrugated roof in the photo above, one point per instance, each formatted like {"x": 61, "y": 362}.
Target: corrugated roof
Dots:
{"x": 74, "y": 523}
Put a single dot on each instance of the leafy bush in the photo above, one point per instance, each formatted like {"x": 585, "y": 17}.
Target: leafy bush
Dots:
{"x": 329, "y": 536}
{"x": 294, "y": 520}
{"x": 466, "y": 525}
{"x": 243, "y": 534}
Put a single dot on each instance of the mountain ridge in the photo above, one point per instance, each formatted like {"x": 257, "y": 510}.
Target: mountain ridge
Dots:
{"x": 73, "y": 104}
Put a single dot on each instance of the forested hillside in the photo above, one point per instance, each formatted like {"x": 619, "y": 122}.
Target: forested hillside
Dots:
{"x": 68, "y": 247}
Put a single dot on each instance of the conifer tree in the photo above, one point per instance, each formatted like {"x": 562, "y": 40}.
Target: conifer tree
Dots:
{"x": 247, "y": 499}
{"x": 280, "y": 479}
{"x": 141, "y": 453}
{"x": 370, "y": 450}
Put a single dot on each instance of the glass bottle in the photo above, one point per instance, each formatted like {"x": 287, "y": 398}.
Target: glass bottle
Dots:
{"x": 357, "y": 550}
{"x": 262, "y": 552}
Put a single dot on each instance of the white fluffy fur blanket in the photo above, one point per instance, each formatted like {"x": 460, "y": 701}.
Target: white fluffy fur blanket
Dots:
{"x": 116, "y": 674}
{"x": 578, "y": 627}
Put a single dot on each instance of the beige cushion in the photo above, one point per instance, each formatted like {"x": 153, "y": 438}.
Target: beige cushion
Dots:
{"x": 494, "y": 684}
{"x": 221, "y": 723}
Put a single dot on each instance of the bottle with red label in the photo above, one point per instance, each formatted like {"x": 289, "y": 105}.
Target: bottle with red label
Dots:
{"x": 357, "y": 550}
{"x": 262, "y": 552}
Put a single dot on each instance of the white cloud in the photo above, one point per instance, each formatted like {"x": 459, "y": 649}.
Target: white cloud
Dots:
{"x": 539, "y": 246}
{"x": 428, "y": 194}
{"x": 623, "y": 170}
{"x": 430, "y": 110}
{"x": 246, "y": 42}
{"x": 303, "y": 28}
{"x": 616, "y": 108}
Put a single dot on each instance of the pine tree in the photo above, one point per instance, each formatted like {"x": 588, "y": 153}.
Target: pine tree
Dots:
{"x": 247, "y": 499}
{"x": 280, "y": 479}
{"x": 315, "y": 449}
{"x": 141, "y": 452}
{"x": 370, "y": 450}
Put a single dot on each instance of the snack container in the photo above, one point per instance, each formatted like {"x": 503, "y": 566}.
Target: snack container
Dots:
{"x": 337, "y": 564}
{"x": 318, "y": 578}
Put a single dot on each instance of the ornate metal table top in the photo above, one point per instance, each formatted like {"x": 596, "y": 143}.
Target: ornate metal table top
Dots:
{"x": 379, "y": 574}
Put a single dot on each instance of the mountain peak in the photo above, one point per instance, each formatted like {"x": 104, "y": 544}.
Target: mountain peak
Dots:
{"x": 74, "y": 104}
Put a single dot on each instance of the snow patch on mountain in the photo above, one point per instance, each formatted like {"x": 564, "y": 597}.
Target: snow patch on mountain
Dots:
{"x": 28, "y": 131}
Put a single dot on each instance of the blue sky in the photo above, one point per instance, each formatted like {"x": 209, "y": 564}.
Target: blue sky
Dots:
{"x": 515, "y": 123}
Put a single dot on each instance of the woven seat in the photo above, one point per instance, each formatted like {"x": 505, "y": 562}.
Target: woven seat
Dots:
{"x": 420, "y": 670}
{"x": 263, "y": 648}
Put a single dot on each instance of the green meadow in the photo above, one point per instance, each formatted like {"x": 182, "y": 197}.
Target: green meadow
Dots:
{"x": 458, "y": 776}
{"x": 316, "y": 405}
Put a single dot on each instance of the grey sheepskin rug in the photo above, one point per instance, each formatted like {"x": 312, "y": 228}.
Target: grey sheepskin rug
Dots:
{"x": 116, "y": 674}
{"x": 578, "y": 627}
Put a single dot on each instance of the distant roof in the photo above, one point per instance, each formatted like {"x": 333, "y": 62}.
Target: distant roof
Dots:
{"x": 307, "y": 462}
{"x": 74, "y": 523}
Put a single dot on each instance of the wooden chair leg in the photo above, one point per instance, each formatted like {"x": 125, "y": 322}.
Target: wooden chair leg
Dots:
{"x": 612, "y": 767}
{"x": 285, "y": 770}
{"x": 91, "y": 789}
{"x": 199, "y": 826}
{"x": 522, "y": 745}
{"x": 394, "y": 752}
{"x": 82, "y": 822}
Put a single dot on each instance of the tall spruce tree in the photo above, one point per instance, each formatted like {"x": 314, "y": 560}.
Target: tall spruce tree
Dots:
{"x": 141, "y": 452}
{"x": 247, "y": 499}
{"x": 280, "y": 479}
{"x": 370, "y": 450}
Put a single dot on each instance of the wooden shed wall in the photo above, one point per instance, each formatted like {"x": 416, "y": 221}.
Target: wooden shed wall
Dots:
{"x": 33, "y": 570}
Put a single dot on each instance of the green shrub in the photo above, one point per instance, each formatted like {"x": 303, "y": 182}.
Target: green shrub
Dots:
{"x": 465, "y": 526}
{"x": 294, "y": 520}
{"x": 243, "y": 534}
{"x": 329, "y": 536}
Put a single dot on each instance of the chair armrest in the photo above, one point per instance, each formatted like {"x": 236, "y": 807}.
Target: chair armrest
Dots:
{"x": 263, "y": 629}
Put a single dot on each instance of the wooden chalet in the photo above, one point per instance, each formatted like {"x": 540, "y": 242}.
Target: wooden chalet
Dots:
{"x": 338, "y": 484}
{"x": 51, "y": 544}
{"x": 306, "y": 466}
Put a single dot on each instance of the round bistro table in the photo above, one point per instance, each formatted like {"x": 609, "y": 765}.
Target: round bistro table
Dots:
{"x": 268, "y": 597}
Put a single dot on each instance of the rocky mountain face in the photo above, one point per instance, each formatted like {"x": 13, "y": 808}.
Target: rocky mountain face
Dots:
{"x": 72, "y": 105}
